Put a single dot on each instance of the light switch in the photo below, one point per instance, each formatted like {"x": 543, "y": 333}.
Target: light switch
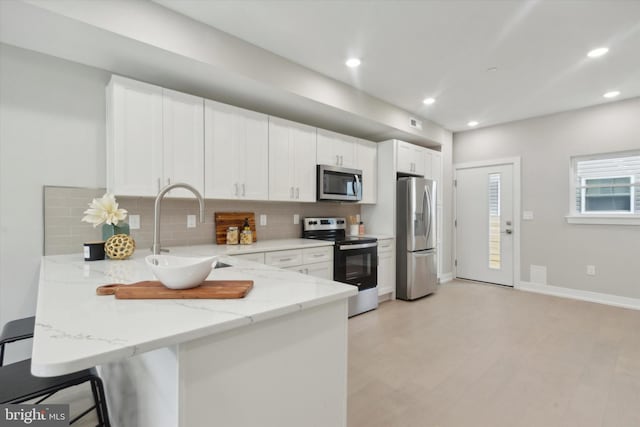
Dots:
{"x": 134, "y": 222}
{"x": 296, "y": 219}
{"x": 263, "y": 219}
{"x": 527, "y": 215}
{"x": 191, "y": 221}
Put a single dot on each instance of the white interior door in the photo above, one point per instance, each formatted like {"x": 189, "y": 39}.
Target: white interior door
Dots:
{"x": 485, "y": 224}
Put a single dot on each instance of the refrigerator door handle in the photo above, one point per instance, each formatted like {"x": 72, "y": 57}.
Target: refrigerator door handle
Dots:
{"x": 427, "y": 213}
{"x": 424, "y": 253}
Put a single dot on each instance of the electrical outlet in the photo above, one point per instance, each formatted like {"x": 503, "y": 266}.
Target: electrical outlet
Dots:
{"x": 263, "y": 219}
{"x": 591, "y": 270}
{"x": 191, "y": 221}
{"x": 296, "y": 219}
{"x": 134, "y": 222}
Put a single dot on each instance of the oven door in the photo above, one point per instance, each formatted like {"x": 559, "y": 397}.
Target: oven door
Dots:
{"x": 356, "y": 264}
{"x": 343, "y": 184}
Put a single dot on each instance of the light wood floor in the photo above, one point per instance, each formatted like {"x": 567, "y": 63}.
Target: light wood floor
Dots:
{"x": 478, "y": 355}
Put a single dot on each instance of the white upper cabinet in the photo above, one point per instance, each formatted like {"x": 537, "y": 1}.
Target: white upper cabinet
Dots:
{"x": 134, "y": 137}
{"x": 428, "y": 164}
{"x": 154, "y": 137}
{"x": 367, "y": 155}
{"x": 292, "y": 161}
{"x": 436, "y": 168}
{"x": 410, "y": 158}
{"x": 236, "y": 153}
{"x": 183, "y": 132}
{"x": 336, "y": 149}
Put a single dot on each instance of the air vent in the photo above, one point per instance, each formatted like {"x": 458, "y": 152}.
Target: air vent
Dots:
{"x": 415, "y": 123}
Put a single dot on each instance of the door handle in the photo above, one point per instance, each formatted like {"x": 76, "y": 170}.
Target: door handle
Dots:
{"x": 508, "y": 231}
{"x": 297, "y": 192}
{"x": 291, "y": 193}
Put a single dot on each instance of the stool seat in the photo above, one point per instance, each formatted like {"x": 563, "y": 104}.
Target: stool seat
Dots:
{"x": 17, "y": 385}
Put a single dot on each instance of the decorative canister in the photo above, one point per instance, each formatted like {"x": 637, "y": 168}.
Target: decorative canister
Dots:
{"x": 232, "y": 236}
{"x": 246, "y": 237}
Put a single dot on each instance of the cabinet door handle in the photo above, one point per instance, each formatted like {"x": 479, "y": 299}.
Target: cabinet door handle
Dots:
{"x": 317, "y": 255}
{"x": 337, "y": 160}
{"x": 297, "y": 192}
{"x": 285, "y": 259}
{"x": 291, "y": 192}
{"x": 306, "y": 271}
{"x": 341, "y": 161}
{"x": 236, "y": 186}
{"x": 243, "y": 190}
{"x": 158, "y": 185}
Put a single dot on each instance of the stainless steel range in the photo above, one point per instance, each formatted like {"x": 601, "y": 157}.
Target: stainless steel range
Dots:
{"x": 355, "y": 260}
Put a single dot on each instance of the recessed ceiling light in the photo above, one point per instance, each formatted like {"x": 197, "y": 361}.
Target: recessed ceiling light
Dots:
{"x": 598, "y": 52}
{"x": 353, "y": 62}
{"x": 612, "y": 94}
{"x": 429, "y": 101}
{"x": 472, "y": 123}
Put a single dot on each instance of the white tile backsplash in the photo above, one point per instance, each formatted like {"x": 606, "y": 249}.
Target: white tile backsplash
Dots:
{"x": 64, "y": 232}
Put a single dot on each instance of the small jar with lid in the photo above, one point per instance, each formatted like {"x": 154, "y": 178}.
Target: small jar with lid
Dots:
{"x": 232, "y": 236}
{"x": 246, "y": 237}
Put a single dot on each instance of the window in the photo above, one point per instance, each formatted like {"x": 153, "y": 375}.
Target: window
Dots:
{"x": 494, "y": 221}
{"x": 608, "y": 195}
{"x": 606, "y": 186}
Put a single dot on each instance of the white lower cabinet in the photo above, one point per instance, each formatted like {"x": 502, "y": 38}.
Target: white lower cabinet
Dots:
{"x": 386, "y": 267}
{"x": 317, "y": 262}
{"x": 322, "y": 270}
{"x": 283, "y": 259}
{"x": 255, "y": 257}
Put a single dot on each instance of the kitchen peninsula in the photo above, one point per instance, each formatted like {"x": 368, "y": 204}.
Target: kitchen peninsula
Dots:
{"x": 277, "y": 357}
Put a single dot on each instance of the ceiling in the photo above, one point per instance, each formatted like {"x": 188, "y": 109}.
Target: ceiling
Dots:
{"x": 411, "y": 50}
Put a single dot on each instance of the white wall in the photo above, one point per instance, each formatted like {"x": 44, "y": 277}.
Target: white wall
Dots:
{"x": 52, "y": 131}
{"x": 447, "y": 204}
{"x": 545, "y": 145}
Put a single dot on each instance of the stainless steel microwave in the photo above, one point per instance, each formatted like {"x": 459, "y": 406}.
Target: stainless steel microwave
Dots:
{"x": 339, "y": 184}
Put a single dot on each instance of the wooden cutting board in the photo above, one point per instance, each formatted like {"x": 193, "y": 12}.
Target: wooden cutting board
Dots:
{"x": 209, "y": 289}
{"x": 233, "y": 219}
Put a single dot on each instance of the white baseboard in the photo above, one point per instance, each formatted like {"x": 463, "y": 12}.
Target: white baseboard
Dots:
{"x": 578, "y": 294}
{"x": 446, "y": 277}
{"x": 385, "y": 297}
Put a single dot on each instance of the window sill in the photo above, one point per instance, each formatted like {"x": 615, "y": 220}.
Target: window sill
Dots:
{"x": 604, "y": 219}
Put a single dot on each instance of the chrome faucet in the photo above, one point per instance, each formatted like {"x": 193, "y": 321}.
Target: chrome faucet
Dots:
{"x": 155, "y": 249}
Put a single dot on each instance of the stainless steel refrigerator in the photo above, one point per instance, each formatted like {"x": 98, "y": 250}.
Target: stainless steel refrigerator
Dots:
{"x": 416, "y": 271}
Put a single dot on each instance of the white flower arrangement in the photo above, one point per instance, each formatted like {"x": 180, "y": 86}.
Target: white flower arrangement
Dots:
{"x": 104, "y": 210}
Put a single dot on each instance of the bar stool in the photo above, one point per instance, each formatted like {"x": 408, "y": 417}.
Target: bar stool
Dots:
{"x": 17, "y": 385}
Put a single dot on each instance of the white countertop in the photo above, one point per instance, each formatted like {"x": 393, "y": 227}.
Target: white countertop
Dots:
{"x": 259, "y": 246}
{"x": 76, "y": 329}
{"x": 379, "y": 236}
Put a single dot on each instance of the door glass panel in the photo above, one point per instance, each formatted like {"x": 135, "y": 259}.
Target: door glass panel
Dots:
{"x": 494, "y": 221}
{"x": 358, "y": 266}
{"x": 338, "y": 183}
